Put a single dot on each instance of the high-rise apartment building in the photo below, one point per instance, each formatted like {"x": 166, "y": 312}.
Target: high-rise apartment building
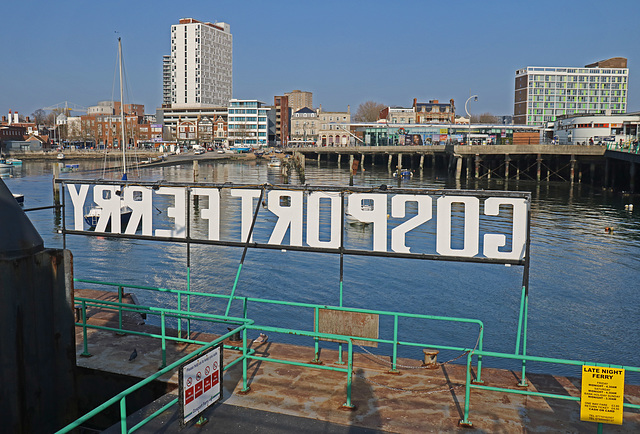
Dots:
{"x": 299, "y": 99}
{"x": 544, "y": 93}
{"x": 201, "y": 64}
{"x": 166, "y": 80}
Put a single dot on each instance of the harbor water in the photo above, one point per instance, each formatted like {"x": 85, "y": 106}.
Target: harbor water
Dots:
{"x": 584, "y": 282}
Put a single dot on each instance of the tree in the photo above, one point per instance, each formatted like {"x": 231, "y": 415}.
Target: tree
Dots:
{"x": 484, "y": 118}
{"x": 368, "y": 111}
{"x": 39, "y": 116}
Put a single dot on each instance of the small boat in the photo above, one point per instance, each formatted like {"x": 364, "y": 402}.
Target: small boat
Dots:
{"x": 404, "y": 174}
{"x": 92, "y": 215}
{"x": 274, "y": 162}
{"x": 69, "y": 168}
{"x": 14, "y": 161}
{"x": 61, "y": 156}
{"x": 5, "y": 165}
{"x": 19, "y": 198}
{"x": 240, "y": 149}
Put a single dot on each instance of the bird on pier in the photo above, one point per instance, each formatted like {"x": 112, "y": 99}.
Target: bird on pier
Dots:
{"x": 133, "y": 355}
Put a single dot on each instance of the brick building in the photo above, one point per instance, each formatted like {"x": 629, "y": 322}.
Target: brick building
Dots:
{"x": 434, "y": 112}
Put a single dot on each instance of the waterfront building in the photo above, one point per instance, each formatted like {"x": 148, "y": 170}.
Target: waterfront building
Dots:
{"x": 434, "y": 111}
{"x": 304, "y": 127}
{"x": 248, "y": 123}
{"x": 203, "y": 131}
{"x": 299, "y": 99}
{"x": 386, "y": 134}
{"x": 334, "y": 128}
{"x": 282, "y": 119}
{"x": 544, "y": 93}
{"x": 597, "y": 129}
{"x": 201, "y": 71}
{"x": 398, "y": 115}
{"x": 103, "y": 125}
{"x": 210, "y": 123}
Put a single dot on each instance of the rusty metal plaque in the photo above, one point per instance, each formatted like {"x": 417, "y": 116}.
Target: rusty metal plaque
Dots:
{"x": 364, "y": 325}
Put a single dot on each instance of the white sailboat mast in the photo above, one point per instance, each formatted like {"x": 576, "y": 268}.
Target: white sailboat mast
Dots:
{"x": 123, "y": 144}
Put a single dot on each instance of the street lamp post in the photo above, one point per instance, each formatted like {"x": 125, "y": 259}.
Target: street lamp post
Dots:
{"x": 475, "y": 98}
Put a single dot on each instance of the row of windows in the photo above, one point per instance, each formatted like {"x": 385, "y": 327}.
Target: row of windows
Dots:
{"x": 577, "y": 78}
{"x": 579, "y": 70}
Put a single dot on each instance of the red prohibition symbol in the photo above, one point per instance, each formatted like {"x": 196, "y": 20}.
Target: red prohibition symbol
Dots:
{"x": 206, "y": 370}
{"x": 189, "y": 381}
{"x": 198, "y": 376}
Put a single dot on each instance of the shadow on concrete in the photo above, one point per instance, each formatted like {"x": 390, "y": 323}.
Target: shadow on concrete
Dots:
{"x": 452, "y": 392}
{"x": 366, "y": 412}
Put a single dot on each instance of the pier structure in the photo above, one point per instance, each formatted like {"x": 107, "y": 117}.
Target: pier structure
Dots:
{"x": 568, "y": 163}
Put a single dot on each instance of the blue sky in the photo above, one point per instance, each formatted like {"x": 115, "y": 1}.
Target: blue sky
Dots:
{"x": 345, "y": 52}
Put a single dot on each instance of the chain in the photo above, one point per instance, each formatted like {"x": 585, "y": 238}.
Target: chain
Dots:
{"x": 419, "y": 391}
{"x": 387, "y": 363}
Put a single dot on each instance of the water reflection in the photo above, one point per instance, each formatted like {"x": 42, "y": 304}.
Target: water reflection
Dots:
{"x": 583, "y": 281}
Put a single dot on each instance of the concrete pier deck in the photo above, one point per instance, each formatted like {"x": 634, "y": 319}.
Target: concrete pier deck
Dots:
{"x": 285, "y": 398}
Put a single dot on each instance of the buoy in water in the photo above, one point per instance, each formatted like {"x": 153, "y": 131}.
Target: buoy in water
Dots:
{"x": 608, "y": 230}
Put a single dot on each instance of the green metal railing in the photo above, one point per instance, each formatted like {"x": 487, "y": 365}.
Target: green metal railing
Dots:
{"x": 628, "y": 147}
{"x": 247, "y": 353}
{"x": 120, "y": 398}
{"x": 469, "y": 384}
{"x": 394, "y": 342}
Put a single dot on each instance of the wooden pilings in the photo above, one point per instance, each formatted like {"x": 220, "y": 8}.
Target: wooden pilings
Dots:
{"x": 56, "y": 187}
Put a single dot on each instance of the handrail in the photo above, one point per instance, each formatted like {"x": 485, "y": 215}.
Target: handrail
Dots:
{"x": 122, "y": 395}
{"x": 393, "y": 342}
{"x": 469, "y": 384}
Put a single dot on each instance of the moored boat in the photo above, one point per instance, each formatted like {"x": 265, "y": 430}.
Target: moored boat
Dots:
{"x": 274, "y": 162}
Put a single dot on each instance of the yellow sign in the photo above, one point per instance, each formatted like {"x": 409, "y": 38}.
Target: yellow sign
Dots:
{"x": 444, "y": 131}
{"x": 602, "y": 394}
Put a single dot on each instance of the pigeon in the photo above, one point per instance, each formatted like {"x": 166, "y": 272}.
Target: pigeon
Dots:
{"x": 133, "y": 355}
{"x": 261, "y": 338}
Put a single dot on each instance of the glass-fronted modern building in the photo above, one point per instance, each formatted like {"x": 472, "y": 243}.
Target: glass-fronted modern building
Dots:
{"x": 383, "y": 134}
{"x": 544, "y": 93}
{"x": 248, "y": 123}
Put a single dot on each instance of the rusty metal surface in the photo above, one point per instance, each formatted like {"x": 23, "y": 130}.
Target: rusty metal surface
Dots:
{"x": 359, "y": 324}
{"x": 415, "y": 400}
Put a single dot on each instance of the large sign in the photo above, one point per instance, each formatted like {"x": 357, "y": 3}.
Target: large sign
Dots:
{"x": 602, "y": 395}
{"x": 200, "y": 382}
{"x": 460, "y": 225}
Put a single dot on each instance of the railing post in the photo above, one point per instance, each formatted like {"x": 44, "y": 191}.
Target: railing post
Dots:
{"x": 120, "y": 295}
{"x": 467, "y": 392}
{"x": 395, "y": 345}
{"x": 480, "y": 339}
{"x": 123, "y": 415}
{"x": 189, "y": 301}
{"x": 164, "y": 341}
{"x": 180, "y": 318}
{"x": 349, "y": 405}
{"x": 523, "y": 380}
{"x": 85, "y": 352}
{"x": 316, "y": 320}
{"x": 245, "y": 386}
{"x": 245, "y": 308}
